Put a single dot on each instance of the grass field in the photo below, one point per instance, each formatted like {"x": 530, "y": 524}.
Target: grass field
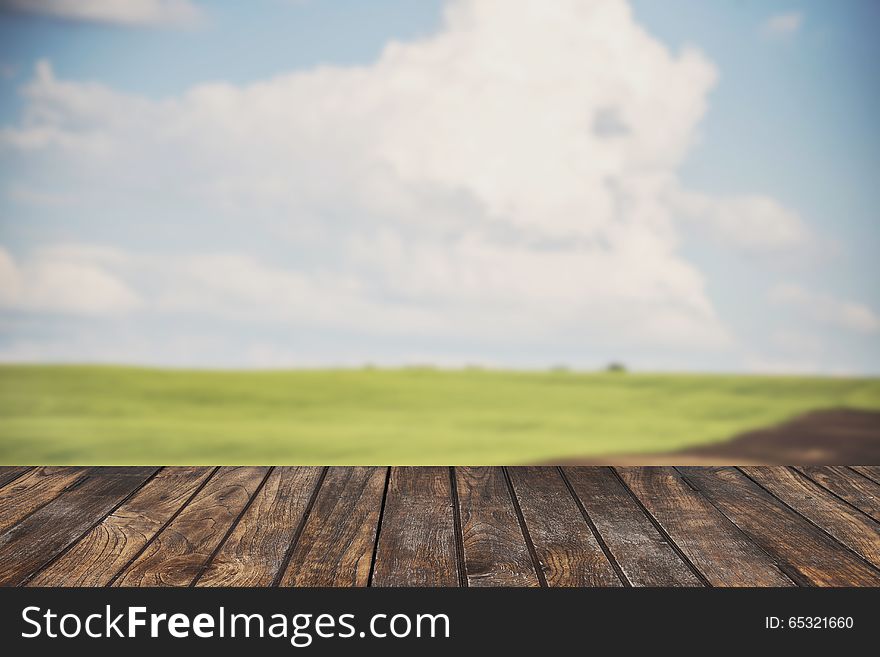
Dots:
{"x": 116, "y": 415}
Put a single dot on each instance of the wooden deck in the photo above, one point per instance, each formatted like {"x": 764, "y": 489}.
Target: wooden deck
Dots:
{"x": 438, "y": 526}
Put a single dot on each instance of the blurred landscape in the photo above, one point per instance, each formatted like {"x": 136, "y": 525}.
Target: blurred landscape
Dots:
{"x": 120, "y": 415}
{"x": 214, "y": 215}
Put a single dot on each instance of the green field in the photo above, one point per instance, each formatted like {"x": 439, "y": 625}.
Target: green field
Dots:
{"x": 116, "y": 415}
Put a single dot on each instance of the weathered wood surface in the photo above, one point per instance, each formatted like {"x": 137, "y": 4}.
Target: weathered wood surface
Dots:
{"x": 44, "y": 535}
{"x": 417, "y": 543}
{"x": 176, "y": 555}
{"x": 846, "y": 524}
{"x": 872, "y": 472}
{"x": 336, "y": 545}
{"x": 119, "y": 538}
{"x": 439, "y": 526}
{"x": 254, "y": 553}
{"x": 706, "y": 537}
{"x": 33, "y": 489}
{"x": 496, "y": 550}
{"x": 567, "y": 549}
{"x": 800, "y": 547}
{"x": 643, "y": 554}
{"x": 848, "y": 485}
{"x": 10, "y": 474}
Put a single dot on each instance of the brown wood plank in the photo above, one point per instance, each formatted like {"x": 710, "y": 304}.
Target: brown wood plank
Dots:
{"x": 859, "y": 491}
{"x": 9, "y": 473}
{"x": 846, "y": 524}
{"x": 35, "y": 541}
{"x": 337, "y": 542}
{"x": 872, "y": 472}
{"x": 789, "y": 538}
{"x": 110, "y": 545}
{"x": 32, "y": 490}
{"x": 714, "y": 545}
{"x": 495, "y": 549}
{"x": 417, "y": 538}
{"x": 642, "y": 553}
{"x": 567, "y": 550}
{"x": 178, "y": 552}
{"x": 255, "y": 551}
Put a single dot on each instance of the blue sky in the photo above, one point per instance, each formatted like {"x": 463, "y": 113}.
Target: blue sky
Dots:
{"x": 272, "y": 184}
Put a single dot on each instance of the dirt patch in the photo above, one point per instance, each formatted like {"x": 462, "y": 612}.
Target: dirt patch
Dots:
{"x": 832, "y": 437}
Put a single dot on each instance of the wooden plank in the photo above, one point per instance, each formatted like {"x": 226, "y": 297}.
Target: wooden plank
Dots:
{"x": 416, "y": 544}
{"x": 177, "y": 553}
{"x": 35, "y": 541}
{"x": 495, "y": 550}
{"x": 567, "y": 550}
{"x": 9, "y": 473}
{"x": 642, "y": 553}
{"x": 336, "y": 545}
{"x": 859, "y": 491}
{"x": 32, "y": 490}
{"x": 847, "y": 525}
{"x": 714, "y": 545}
{"x": 810, "y": 553}
{"x": 110, "y": 545}
{"x": 872, "y": 472}
{"x": 254, "y": 552}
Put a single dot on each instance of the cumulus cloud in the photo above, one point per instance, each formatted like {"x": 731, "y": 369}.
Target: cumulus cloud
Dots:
{"x": 514, "y": 173}
{"x": 115, "y": 12}
{"x": 782, "y": 25}
{"x": 826, "y": 309}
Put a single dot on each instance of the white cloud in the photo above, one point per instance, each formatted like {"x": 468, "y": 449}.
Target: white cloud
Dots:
{"x": 514, "y": 173}
{"x": 756, "y": 224}
{"x": 116, "y": 12}
{"x": 474, "y": 292}
{"x": 782, "y": 25}
{"x": 65, "y": 280}
{"x": 825, "y": 309}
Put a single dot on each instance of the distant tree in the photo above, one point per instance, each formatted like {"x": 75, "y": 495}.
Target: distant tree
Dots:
{"x": 560, "y": 369}
{"x": 615, "y": 366}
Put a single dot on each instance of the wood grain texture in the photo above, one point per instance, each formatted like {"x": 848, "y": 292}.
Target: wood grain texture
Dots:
{"x": 110, "y": 545}
{"x": 713, "y": 544}
{"x": 844, "y": 523}
{"x": 805, "y": 550}
{"x": 417, "y": 538}
{"x": 9, "y": 473}
{"x": 642, "y": 553}
{"x": 567, "y": 550}
{"x": 33, "y": 489}
{"x": 439, "y": 526}
{"x": 872, "y": 472}
{"x": 337, "y": 542}
{"x": 495, "y": 549}
{"x": 35, "y": 541}
{"x": 255, "y": 551}
{"x": 178, "y": 552}
{"x": 859, "y": 491}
